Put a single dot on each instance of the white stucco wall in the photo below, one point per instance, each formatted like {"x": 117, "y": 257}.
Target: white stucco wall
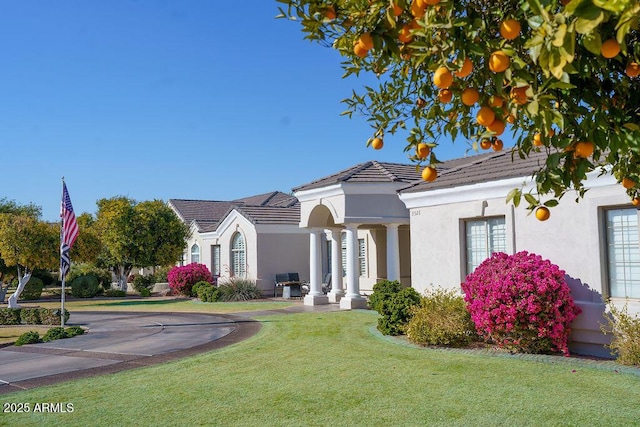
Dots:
{"x": 286, "y": 251}
{"x": 572, "y": 239}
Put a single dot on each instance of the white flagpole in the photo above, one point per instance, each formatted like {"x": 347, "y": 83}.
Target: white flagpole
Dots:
{"x": 64, "y": 276}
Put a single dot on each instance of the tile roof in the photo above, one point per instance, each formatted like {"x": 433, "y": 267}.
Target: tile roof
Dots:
{"x": 481, "y": 168}
{"x": 269, "y": 208}
{"x": 371, "y": 171}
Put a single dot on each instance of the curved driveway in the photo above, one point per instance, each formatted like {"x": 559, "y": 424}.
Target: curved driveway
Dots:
{"x": 117, "y": 341}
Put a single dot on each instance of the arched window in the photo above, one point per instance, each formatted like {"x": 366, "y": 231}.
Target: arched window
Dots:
{"x": 195, "y": 253}
{"x": 238, "y": 255}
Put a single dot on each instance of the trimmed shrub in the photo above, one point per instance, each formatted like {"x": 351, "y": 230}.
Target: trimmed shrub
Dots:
{"x": 9, "y": 316}
{"x": 441, "y": 319}
{"x": 211, "y": 294}
{"x": 195, "y": 289}
{"x": 115, "y": 293}
{"x": 383, "y": 291}
{"x": 32, "y": 290}
{"x": 396, "y": 311}
{"x": 625, "y": 344}
{"x": 51, "y": 316}
{"x": 73, "y": 331}
{"x": 31, "y": 337}
{"x": 143, "y": 282}
{"x": 86, "y": 286}
{"x": 144, "y": 292}
{"x": 237, "y": 289}
{"x": 182, "y": 279}
{"x": 47, "y": 278}
{"x": 521, "y": 302}
{"x": 103, "y": 275}
{"x": 30, "y": 316}
{"x": 54, "y": 334}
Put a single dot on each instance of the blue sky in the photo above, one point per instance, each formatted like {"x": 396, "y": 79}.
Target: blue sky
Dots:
{"x": 156, "y": 99}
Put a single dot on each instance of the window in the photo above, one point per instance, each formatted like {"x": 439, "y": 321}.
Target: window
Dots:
{"x": 343, "y": 239}
{"x": 195, "y": 253}
{"x": 215, "y": 260}
{"x": 623, "y": 253}
{"x": 238, "y": 255}
{"x": 484, "y": 237}
{"x": 362, "y": 257}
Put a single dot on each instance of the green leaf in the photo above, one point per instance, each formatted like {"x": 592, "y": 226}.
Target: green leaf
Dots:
{"x": 532, "y": 108}
{"x": 551, "y": 203}
{"x": 592, "y": 42}
{"x": 631, "y": 126}
{"x": 512, "y": 194}
{"x": 586, "y": 26}
{"x": 530, "y": 199}
{"x": 615, "y": 6}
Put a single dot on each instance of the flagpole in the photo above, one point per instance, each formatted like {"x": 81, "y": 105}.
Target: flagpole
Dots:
{"x": 64, "y": 276}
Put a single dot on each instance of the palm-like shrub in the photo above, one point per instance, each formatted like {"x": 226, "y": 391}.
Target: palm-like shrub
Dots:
{"x": 237, "y": 289}
{"x": 521, "y": 302}
{"x": 625, "y": 344}
{"x": 182, "y": 279}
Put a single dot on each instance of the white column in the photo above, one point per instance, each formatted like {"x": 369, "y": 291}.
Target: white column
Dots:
{"x": 352, "y": 299}
{"x": 336, "y": 292}
{"x": 315, "y": 295}
{"x": 393, "y": 252}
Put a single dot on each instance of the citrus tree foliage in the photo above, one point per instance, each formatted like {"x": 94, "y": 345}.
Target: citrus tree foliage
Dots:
{"x": 559, "y": 75}
{"x": 134, "y": 234}
{"x": 87, "y": 247}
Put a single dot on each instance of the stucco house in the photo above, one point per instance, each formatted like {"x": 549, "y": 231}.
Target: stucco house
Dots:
{"x": 387, "y": 223}
{"x": 254, "y": 237}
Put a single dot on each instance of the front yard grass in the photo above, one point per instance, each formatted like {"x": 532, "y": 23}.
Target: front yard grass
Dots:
{"x": 329, "y": 369}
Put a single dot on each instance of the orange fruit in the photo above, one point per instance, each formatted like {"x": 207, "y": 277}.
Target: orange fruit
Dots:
{"x": 610, "y": 48}
{"x": 510, "y": 29}
{"x": 359, "y": 50}
{"x": 465, "y": 70}
{"x": 499, "y": 61}
{"x": 330, "y": 13}
{"x": 422, "y": 150}
{"x": 633, "y": 69}
{"x": 628, "y": 183}
{"x": 445, "y": 96}
{"x": 497, "y": 145}
{"x": 519, "y": 95}
{"x": 442, "y": 78}
{"x": 470, "y": 96}
{"x": 485, "y": 144}
{"x": 511, "y": 119}
{"x": 397, "y": 10}
{"x": 429, "y": 174}
{"x": 583, "y": 149}
{"x": 366, "y": 41}
{"x": 377, "y": 143}
{"x": 485, "y": 116}
{"x": 418, "y": 8}
{"x": 636, "y": 201}
{"x": 405, "y": 35}
{"x": 542, "y": 213}
{"x": 565, "y": 2}
{"x": 551, "y": 133}
{"x": 497, "y": 126}
{"x": 496, "y": 101}
{"x": 537, "y": 140}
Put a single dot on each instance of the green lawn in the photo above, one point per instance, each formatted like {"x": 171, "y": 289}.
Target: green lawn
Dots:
{"x": 333, "y": 369}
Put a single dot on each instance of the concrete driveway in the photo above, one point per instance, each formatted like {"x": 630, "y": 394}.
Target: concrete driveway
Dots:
{"x": 117, "y": 341}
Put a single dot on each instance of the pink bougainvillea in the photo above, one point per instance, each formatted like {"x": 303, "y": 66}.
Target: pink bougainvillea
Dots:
{"x": 521, "y": 302}
{"x": 182, "y": 279}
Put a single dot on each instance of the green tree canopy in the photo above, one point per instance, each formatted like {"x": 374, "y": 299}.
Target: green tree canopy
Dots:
{"x": 134, "y": 234}
{"x": 560, "y": 76}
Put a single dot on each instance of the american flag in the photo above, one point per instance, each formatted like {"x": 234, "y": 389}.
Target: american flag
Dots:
{"x": 68, "y": 230}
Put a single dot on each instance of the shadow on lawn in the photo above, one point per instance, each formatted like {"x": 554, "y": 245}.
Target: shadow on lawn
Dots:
{"x": 141, "y": 302}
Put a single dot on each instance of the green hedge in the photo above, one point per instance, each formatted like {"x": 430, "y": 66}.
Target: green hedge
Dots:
{"x": 31, "y": 316}
{"x": 32, "y": 290}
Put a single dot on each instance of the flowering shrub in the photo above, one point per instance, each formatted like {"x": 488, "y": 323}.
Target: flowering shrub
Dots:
{"x": 182, "y": 279}
{"x": 521, "y": 302}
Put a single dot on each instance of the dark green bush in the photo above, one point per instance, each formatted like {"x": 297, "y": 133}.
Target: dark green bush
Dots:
{"x": 383, "y": 291}
{"x": 32, "y": 290}
{"x": 47, "y": 278}
{"x": 118, "y": 293}
{"x": 396, "y": 311}
{"x": 54, "y": 334}
{"x": 195, "y": 289}
{"x": 31, "y": 337}
{"x": 103, "y": 275}
{"x": 210, "y": 294}
{"x": 85, "y": 286}
{"x": 239, "y": 290}
{"x": 143, "y": 282}
{"x": 9, "y": 316}
{"x": 441, "y": 319}
{"x": 144, "y": 292}
{"x": 73, "y": 331}
{"x": 30, "y": 316}
{"x": 51, "y": 316}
